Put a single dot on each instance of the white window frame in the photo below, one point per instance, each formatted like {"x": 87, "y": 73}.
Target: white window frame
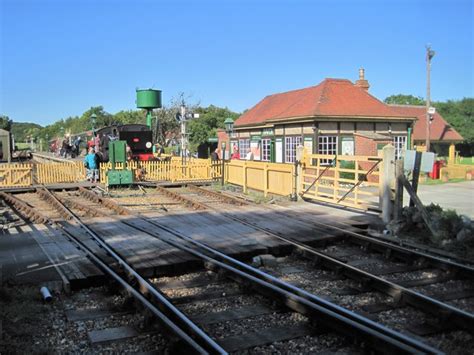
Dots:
{"x": 266, "y": 149}
{"x": 291, "y": 142}
{"x": 244, "y": 147}
{"x": 400, "y": 144}
{"x": 327, "y": 145}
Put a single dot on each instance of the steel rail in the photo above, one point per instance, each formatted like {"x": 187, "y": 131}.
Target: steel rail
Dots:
{"x": 406, "y": 252}
{"x": 197, "y": 339}
{"x": 442, "y": 311}
{"x": 334, "y": 316}
{"x": 187, "y": 201}
{"x": 29, "y": 212}
{"x": 446, "y": 312}
{"x": 223, "y": 198}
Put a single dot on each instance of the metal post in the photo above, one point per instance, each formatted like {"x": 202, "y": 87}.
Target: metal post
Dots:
{"x": 294, "y": 194}
{"x": 223, "y": 164}
{"x": 183, "y": 134}
{"x": 429, "y": 54}
{"x": 416, "y": 176}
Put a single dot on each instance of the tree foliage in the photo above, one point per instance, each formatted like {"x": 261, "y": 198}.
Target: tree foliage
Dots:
{"x": 210, "y": 119}
{"x": 166, "y": 129}
{"x": 5, "y": 122}
{"x": 22, "y": 130}
{"x": 401, "y": 99}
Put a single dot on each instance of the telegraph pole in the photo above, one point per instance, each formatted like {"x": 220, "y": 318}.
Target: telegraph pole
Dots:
{"x": 429, "y": 55}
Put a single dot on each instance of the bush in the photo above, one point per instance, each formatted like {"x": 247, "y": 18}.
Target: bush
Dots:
{"x": 347, "y": 164}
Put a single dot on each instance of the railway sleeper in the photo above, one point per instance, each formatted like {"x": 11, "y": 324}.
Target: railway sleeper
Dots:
{"x": 102, "y": 201}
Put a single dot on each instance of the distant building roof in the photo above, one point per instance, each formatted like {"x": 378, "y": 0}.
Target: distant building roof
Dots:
{"x": 330, "y": 98}
{"x": 440, "y": 130}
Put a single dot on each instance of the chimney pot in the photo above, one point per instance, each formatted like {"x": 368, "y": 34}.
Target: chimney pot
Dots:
{"x": 362, "y": 83}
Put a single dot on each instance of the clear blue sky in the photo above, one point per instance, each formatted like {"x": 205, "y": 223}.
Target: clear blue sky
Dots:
{"x": 59, "y": 58}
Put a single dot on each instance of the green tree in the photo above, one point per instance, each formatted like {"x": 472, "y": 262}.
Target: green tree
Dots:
{"x": 460, "y": 115}
{"x": 210, "y": 119}
{"x": 402, "y": 99}
{"x": 5, "y": 122}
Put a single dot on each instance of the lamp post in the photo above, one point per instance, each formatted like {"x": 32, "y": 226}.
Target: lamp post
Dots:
{"x": 223, "y": 163}
{"x": 229, "y": 127}
{"x": 429, "y": 55}
{"x": 93, "y": 122}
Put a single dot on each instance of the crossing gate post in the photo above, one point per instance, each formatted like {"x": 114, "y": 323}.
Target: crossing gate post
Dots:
{"x": 387, "y": 182}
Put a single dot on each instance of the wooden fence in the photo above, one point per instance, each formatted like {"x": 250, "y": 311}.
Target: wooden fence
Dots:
{"x": 351, "y": 181}
{"x": 174, "y": 170}
{"x": 53, "y": 173}
{"x": 266, "y": 177}
{"x": 15, "y": 175}
{"x": 19, "y": 175}
{"x": 457, "y": 171}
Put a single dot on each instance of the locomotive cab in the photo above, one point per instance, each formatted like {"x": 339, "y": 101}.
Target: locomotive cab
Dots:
{"x": 137, "y": 136}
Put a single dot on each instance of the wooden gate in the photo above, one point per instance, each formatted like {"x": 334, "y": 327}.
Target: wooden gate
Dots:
{"x": 15, "y": 175}
{"x": 351, "y": 181}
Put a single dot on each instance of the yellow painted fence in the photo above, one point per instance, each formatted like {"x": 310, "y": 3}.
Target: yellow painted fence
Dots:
{"x": 352, "y": 181}
{"x": 174, "y": 170}
{"x": 266, "y": 177}
{"x": 15, "y": 175}
{"x": 20, "y": 175}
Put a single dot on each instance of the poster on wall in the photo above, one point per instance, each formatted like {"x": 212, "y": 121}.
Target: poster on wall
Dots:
{"x": 308, "y": 144}
{"x": 347, "y": 145}
{"x": 255, "y": 150}
{"x": 279, "y": 150}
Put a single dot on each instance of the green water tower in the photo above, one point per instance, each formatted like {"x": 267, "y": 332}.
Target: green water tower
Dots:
{"x": 148, "y": 99}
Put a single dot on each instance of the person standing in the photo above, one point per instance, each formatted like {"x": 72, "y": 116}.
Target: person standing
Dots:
{"x": 215, "y": 155}
{"x": 91, "y": 162}
{"x": 235, "y": 154}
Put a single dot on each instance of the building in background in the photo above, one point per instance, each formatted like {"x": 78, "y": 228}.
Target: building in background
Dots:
{"x": 333, "y": 117}
{"x": 442, "y": 135}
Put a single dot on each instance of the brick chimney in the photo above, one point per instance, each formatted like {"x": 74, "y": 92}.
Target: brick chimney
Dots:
{"x": 362, "y": 83}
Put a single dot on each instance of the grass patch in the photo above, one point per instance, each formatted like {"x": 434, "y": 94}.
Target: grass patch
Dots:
{"x": 22, "y": 146}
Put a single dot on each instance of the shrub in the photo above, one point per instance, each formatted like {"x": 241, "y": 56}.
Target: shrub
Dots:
{"x": 347, "y": 164}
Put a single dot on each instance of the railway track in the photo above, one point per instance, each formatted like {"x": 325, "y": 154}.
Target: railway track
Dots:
{"x": 329, "y": 316}
{"x": 439, "y": 291}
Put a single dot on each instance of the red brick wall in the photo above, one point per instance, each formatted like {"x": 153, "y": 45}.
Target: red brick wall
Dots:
{"x": 222, "y": 137}
{"x": 367, "y": 147}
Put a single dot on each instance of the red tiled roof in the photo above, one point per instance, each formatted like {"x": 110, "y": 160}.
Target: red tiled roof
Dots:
{"x": 332, "y": 97}
{"x": 440, "y": 130}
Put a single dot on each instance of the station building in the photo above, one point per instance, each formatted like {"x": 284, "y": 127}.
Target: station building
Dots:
{"x": 334, "y": 117}
{"x": 442, "y": 135}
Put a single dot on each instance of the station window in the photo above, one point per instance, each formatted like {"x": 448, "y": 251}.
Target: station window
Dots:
{"x": 327, "y": 145}
{"x": 266, "y": 147}
{"x": 290, "y": 148}
{"x": 400, "y": 144}
{"x": 244, "y": 147}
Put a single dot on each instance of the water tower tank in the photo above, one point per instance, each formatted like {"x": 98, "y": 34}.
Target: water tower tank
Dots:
{"x": 148, "y": 98}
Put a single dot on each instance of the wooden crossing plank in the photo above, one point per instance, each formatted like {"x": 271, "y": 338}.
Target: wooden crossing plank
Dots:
{"x": 263, "y": 337}
{"x": 108, "y": 335}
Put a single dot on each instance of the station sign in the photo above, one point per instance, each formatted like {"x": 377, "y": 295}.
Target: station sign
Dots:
{"x": 427, "y": 161}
